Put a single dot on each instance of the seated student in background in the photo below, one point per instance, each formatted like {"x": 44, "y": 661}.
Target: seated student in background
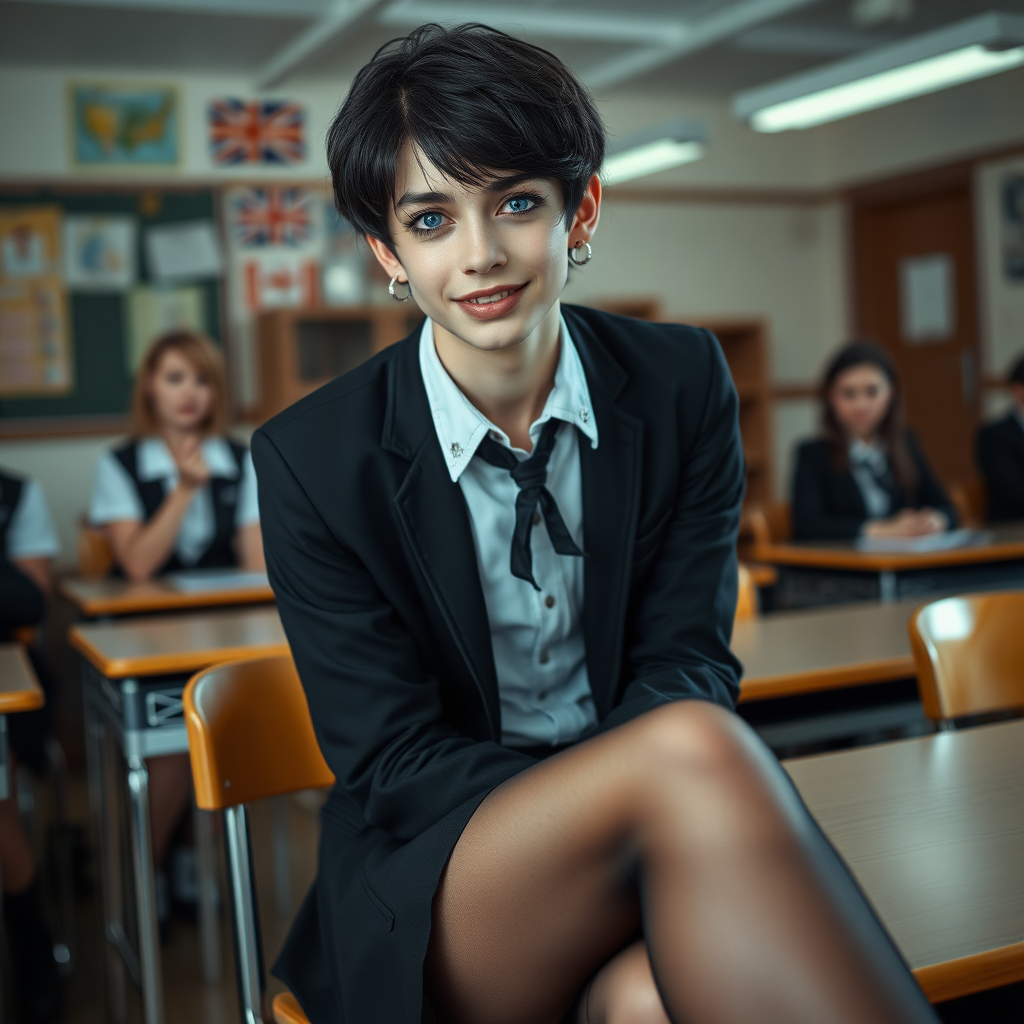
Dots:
{"x": 27, "y": 543}
{"x": 1000, "y": 454}
{"x": 866, "y": 475}
{"x": 178, "y": 495}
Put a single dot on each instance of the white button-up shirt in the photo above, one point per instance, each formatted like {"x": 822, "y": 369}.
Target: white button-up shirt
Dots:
{"x": 115, "y": 497}
{"x": 537, "y": 636}
{"x": 30, "y": 533}
{"x": 868, "y": 464}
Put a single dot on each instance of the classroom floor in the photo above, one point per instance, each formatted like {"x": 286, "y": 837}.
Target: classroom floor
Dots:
{"x": 188, "y": 997}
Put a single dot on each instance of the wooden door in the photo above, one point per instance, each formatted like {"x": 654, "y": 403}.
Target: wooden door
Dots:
{"x": 922, "y": 230}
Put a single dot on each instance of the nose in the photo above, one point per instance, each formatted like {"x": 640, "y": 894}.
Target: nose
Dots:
{"x": 481, "y": 250}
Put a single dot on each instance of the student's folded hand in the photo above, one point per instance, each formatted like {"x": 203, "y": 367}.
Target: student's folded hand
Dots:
{"x": 908, "y": 523}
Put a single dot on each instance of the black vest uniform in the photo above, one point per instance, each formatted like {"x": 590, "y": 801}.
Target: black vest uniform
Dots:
{"x": 10, "y": 494}
{"x": 220, "y": 553}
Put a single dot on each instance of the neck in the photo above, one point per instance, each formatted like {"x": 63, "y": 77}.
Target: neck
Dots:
{"x": 176, "y": 437}
{"x": 508, "y": 385}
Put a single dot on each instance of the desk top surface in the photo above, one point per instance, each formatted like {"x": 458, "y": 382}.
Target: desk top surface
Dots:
{"x": 180, "y": 643}
{"x": 1007, "y": 543}
{"x": 113, "y": 596}
{"x": 19, "y": 688}
{"x": 933, "y": 829}
{"x": 787, "y": 653}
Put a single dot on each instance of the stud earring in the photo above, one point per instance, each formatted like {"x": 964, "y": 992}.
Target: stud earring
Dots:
{"x": 576, "y": 248}
{"x": 399, "y": 298}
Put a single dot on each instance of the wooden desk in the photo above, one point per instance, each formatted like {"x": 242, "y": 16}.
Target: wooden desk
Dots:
{"x": 933, "y": 829}
{"x": 19, "y": 688}
{"x": 789, "y": 653}
{"x": 108, "y": 597}
{"x": 1006, "y": 545}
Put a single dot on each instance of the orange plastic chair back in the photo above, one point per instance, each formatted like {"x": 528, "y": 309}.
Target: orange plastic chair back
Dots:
{"x": 768, "y": 524}
{"x": 746, "y": 604}
{"x": 250, "y": 734}
{"x": 969, "y": 654}
{"x": 970, "y": 499}
{"x": 95, "y": 556}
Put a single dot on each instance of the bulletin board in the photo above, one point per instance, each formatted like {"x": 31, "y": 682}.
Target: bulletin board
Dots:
{"x": 100, "y": 314}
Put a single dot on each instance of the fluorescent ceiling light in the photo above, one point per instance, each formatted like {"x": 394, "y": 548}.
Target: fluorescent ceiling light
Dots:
{"x": 658, "y": 148}
{"x": 972, "y": 49}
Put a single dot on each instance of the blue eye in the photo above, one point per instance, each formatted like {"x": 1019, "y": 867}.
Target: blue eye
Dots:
{"x": 520, "y": 204}
{"x": 430, "y": 221}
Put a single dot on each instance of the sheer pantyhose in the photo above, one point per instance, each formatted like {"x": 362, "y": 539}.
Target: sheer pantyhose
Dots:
{"x": 679, "y": 827}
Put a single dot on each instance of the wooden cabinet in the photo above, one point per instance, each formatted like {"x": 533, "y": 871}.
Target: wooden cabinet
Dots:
{"x": 302, "y": 349}
{"x": 745, "y": 344}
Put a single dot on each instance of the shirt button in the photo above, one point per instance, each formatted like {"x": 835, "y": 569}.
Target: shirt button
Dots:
{"x": 544, "y": 657}
{"x": 549, "y": 601}
{"x": 536, "y": 519}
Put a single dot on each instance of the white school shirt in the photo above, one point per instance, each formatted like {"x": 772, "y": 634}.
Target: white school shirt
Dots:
{"x": 537, "y": 636}
{"x": 115, "y": 497}
{"x": 867, "y": 464}
{"x": 31, "y": 533}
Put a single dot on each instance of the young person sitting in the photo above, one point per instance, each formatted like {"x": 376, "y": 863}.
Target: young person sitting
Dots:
{"x": 28, "y": 543}
{"x": 1000, "y": 454}
{"x": 504, "y": 554}
{"x": 178, "y": 495}
{"x": 866, "y": 475}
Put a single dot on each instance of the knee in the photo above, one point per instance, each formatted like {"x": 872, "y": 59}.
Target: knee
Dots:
{"x": 630, "y": 995}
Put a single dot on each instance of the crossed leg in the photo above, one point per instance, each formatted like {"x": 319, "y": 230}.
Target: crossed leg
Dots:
{"x": 682, "y": 825}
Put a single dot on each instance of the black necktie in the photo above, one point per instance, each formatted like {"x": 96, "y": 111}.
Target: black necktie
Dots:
{"x": 531, "y": 475}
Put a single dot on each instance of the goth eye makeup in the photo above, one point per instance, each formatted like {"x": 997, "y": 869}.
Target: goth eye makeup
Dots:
{"x": 429, "y": 222}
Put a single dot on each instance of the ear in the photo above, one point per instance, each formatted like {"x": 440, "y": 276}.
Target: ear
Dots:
{"x": 386, "y": 258}
{"x": 584, "y": 224}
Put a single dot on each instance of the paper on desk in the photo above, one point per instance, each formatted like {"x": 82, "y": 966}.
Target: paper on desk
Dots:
{"x": 931, "y": 542}
{"x": 205, "y": 582}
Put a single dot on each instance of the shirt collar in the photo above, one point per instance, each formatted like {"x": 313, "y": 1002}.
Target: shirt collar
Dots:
{"x": 155, "y": 461}
{"x": 862, "y": 454}
{"x": 460, "y": 426}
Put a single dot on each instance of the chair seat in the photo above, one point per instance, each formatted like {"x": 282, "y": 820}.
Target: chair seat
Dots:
{"x": 287, "y": 1010}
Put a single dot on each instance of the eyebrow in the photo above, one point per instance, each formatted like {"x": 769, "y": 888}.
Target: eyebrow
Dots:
{"x": 493, "y": 186}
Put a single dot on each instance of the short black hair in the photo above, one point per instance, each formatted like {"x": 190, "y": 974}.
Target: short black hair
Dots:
{"x": 474, "y": 100}
{"x": 1016, "y": 374}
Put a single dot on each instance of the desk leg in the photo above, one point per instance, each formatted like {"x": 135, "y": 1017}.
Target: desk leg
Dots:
{"x": 108, "y": 847}
{"x": 209, "y": 925}
{"x": 145, "y": 890}
{"x": 888, "y": 591}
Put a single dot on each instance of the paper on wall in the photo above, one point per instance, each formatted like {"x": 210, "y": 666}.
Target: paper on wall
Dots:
{"x": 156, "y": 311}
{"x": 188, "y": 251}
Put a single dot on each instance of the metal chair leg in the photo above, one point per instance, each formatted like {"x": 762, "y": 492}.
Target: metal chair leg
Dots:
{"x": 245, "y": 917}
{"x": 63, "y": 949}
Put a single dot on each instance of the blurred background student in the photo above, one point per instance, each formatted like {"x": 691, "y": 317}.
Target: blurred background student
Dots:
{"x": 178, "y": 495}
{"x": 28, "y": 543}
{"x": 1000, "y": 453}
{"x": 866, "y": 474}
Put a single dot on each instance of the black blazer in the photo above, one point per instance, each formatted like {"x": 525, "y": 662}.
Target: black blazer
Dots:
{"x": 827, "y": 505}
{"x": 1000, "y": 454}
{"x": 371, "y": 557}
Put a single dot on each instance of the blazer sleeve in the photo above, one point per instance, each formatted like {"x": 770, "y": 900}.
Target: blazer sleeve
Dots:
{"x": 21, "y": 602}
{"x": 812, "y": 519}
{"x": 378, "y": 717}
{"x": 1000, "y": 466}
{"x": 930, "y": 492}
{"x": 680, "y": 632}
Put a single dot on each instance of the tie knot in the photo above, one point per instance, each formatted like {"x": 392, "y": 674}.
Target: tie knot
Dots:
{"x": 532, "y": 472}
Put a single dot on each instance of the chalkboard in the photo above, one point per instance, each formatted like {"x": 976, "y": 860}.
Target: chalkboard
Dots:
{"x": 103, "y": 382}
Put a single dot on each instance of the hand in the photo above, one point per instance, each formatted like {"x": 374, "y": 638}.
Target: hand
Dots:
{"x": 193, "y": 471}
{"x": 908, "y": 523}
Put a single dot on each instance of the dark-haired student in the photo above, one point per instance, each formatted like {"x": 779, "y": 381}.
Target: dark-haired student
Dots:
{"x": 866, "y": 476}
{"x": 28, "y": 543}
{"x": 515, "y": 640}
{"x": 179, "y": 494}
{"x": 1000, "y": 454}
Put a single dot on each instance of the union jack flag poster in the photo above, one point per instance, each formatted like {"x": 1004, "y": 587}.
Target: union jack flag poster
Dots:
{"x": 257, "y": 132}
{"x": 274, "y": 216}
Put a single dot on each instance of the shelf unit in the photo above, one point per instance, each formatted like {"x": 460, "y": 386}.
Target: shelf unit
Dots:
{"x": 745, "y": 344}
{"x": 300, "y": 350}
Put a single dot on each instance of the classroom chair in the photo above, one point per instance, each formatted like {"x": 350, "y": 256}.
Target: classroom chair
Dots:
{"x": 771, "y": 523}
{"x": 95, "y": 557}
{"x": 969, "y": 653}
{"x": 746, "y": 603}
{"x": 250, "y": 737}
{"x": 970, "y": 499}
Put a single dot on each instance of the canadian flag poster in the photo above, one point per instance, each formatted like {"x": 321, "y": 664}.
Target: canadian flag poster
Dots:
{"x": 280, "y": 280}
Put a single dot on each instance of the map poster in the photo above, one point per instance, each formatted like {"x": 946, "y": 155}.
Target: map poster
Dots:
{"x": 123, "y": 124}
{"x": 35, "y": 347}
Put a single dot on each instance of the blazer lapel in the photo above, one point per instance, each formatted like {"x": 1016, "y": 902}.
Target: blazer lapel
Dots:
{"x": 435, "y": 518}
{"x": 611, "y": 505}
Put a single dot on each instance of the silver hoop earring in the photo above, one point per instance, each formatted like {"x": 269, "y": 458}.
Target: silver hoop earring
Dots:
{"x": 399, "y": 298}
{"x": 576, "y": 248}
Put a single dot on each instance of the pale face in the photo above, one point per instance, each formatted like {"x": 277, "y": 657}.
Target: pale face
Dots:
{"x": 860, "y": 398}
{"x": 485, "y": 264}
{"x": 182, "y": 397}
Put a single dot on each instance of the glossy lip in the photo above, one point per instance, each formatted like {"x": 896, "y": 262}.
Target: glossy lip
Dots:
{"x": 492, "y": 310}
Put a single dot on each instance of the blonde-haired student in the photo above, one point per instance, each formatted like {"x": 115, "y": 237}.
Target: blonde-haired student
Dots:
{"x": 179, "y": 494}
